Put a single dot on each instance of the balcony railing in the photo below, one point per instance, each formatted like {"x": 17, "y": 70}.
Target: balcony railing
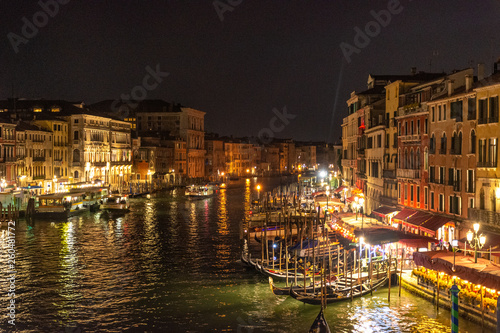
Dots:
{"x": 391, "y": 174}
{"x": 410, "y": 138}
{"x": 493, "y": 119}
{"x": 482, "y": 120}
{"x": 484, "y": 216}
{"x": 487, "y": 164}
{"x": 39, "y": 177}
{"x": 408, "y": 173}
{"x": 38, "y": 158}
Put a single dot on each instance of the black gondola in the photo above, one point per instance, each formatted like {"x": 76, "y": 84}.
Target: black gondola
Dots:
{"x": 320, "y": 325}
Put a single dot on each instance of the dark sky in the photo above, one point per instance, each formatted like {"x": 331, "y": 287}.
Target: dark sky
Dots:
{"x": 263, "y": 55}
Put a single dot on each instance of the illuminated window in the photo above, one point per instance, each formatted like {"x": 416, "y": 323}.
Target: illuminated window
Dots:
{"x": 55, "y": 109}
{"x": 37, "y": 110}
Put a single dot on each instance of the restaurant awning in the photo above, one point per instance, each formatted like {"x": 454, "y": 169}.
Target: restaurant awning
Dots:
{"x": 418, "y": 218}
{"x": 483, "y": 272}
{"x": 402, "y": 215}
{"x": 384, "y": 210}
{"x": 339, "y": 189}
{"x": 384, "y": 235}
{"x": 434, "y": 223}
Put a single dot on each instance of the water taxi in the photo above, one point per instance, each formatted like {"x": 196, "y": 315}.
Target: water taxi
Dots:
{"x": 93, "y": 196}
{"x": 60, "y": 205}
{"x": 116, "y": 203}
{"x": 199, "y": 191}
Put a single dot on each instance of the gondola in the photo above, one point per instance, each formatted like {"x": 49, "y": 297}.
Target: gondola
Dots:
{"x": 339, "y": 295}
{"x": 280, "y": 291}
{"x": 320, "y": 325}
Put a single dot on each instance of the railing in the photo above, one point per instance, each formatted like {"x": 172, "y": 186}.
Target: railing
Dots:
{"x": 487, "y": 164}
{"x": 388, "y": 174}
{"x": 39, "y": 177}
{"x": 10, "y": 159}
{"x": 482, "y": 120}
{"x": 410, "y": 138}
{"x": 75, "y": 164}
{"x": 408, "y": 173}
{"x": 484, "y": 216}
{"x": 99, "y": 164}
{"x": 39, "y": 159}
{"x": 493, "y": 119}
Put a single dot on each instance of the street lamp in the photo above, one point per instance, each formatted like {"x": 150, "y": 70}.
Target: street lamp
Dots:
{"x": 454, "y": 247}
{"x": 475, "y": 241}
{"x": 258, "y": 192}
{"x": 327, "y": 196}
{"x": 361, "y": 202}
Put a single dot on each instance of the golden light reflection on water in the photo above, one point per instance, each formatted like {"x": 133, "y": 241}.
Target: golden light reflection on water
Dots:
{"x": 222, "y": 222}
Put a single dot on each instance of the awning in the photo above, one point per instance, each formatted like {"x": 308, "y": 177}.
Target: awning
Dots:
{"x": 339, "y": 189}
{"x": 434, "y": 223}
{"x": 418, "y": 218}
{"x": 384, "y": 234}
{"x": 483, "y": 272}
{"x": 402, "y": 215}
{"x": 384, "y": 210}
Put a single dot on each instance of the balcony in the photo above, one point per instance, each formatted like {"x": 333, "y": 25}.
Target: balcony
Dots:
{"x": 38, "y": 177}
{"x": 487, "y": 164}
{"x": 99, "y": 164}
{"x": 389, "y": 174}
{"x": 38, "y": 158}
{"x": 76, "y": 164}
{"x": 484, "y": 216}
{"x": 410, "y": 138}
{"x": 411, "y": 109}
{"x": 349, "y": 163}
{"x": 408, "y": 173}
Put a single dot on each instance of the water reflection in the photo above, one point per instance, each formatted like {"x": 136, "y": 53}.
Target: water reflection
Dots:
{"x": 173, "y": 263}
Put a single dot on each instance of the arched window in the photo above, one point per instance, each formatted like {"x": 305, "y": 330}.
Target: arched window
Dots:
{"x": 481, "y": 199}
{"x": 399, "y": 159}
{"x": 459, "y": 143}
{"x": 432, "y": 144}
{"x": 76, "y": 175}
{"x": 76, "y": 155}
{"x": 417, "y": 159}
{"x": 410, "y": 164}
{"x": 405, "y": 165}
{"x": 443, "y": 144}
{"x": 472, "y": 147}
{"x": 426, "y": 159}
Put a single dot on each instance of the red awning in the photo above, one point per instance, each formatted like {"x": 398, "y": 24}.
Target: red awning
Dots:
{"x": 418, "y": 218}
{"x": 339, "y": 189}
{"x": 402, "y": 215}
{"x": 485, "y": 273}
{"x": 434, "y": 223}
{"x": 384, "y": 210}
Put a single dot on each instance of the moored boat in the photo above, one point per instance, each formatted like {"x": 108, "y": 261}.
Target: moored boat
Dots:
{"x": 116, "y": 203}
{"x": 60, "y": 205}
{"x": 93, "y": 196}
{"x": 199, "y": 191}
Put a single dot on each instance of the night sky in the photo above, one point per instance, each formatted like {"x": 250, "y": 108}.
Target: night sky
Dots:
{"x": 262, "y": 55}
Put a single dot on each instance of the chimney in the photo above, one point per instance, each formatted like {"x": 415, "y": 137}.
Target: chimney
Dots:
{"x": 413, "y": 70}
{"x": 480, "y": 71}
{"x": 450, "y": 87}
{"x": 468, "y": 82}
{"x": 496, "y": 66}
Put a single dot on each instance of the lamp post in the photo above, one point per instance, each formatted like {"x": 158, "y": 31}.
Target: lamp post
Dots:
{"x": 454, "y": 247}
{"x": 361, "y": 202}
{"x": 475, "y": 241}
{"x": 258, "y": 192}
{"x": 327, "y": 196}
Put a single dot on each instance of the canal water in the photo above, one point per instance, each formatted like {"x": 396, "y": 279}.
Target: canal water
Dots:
{"x": 172, "y": 265}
